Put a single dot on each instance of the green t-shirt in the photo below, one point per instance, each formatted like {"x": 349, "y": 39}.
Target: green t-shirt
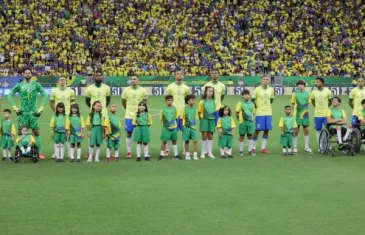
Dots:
{"x": 301, "y": 106}
{"x": 288, "y": 124}
{"x": 247, "y": 110}
{"x": 59, "y": 123}
{"x": 362, "y": 127}
{"x": 6, "y": 127}
{"x": 226, "y": 125}
{"x": 96, "y": 120}
{"x": 25, "y": 141}
{"x": 75, "y": 125}
{"x": 336, "y": 113}
{"x": 190, "y": 117}
{"x": 168, "y": 117}
{"x": 114, "y": 123}
{"x": 209, "y": 109}
{"x": 142, "y": 119}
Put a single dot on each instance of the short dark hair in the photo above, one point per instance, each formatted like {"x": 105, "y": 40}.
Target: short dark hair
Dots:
{"x": 7, "y": 111}
{"x": 189, "y": 97}
{"x": 213, "y": 70}
{"x": 338, "y": 99}
{"x": 301, "y": 82}
{"x": 320, "y": 79}
{"x": 363, "y": 101}
{"x": 245, "y": 92}
{"x": 168, "y": 97}
{"x": 287, "y": 106}
{"x": 27, "y": 68}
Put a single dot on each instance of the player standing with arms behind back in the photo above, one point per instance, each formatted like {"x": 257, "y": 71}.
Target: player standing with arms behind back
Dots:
{"x": 27, "y": 111}
{"x": 356, "y": 96}
{"x": 178, "y": 90}
{"x": 263, "y": 96}
{"x": 321, "y": 101}
{"x": 300, "y": 100}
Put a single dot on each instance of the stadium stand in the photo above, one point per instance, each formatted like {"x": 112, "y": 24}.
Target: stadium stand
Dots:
{"x": 154, "y": 37}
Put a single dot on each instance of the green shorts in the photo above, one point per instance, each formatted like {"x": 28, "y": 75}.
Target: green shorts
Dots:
{"x": 111, "y": 144}
{"x": 141, "y": 134}
{"x": 168, "y": 134}
{"x": 28, "y": 120}
{"x": 286, "y": 140}
{"x": 302, "y": 122}
{"x": 189, "y": 134}
{"x": 225, "y": 141}
{"x": 246, "y": 128}
{"x": 207, "y": 125}
{"x": 6, "y": 142}
{"x": 96, "y": 137}
{"x": 59, "y": 137}
{"x": 74, "y": 139}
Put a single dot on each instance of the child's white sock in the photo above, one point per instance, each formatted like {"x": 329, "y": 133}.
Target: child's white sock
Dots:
{"x": 69, "y": 149}
{"x": 317, "y": 135}
{"x": 203, "y": 143}
{"x": 146, "y": 150}
{"x": 78, "y": 153}
{"x": 97, "y": 152}
{"x": 108, "y": 152}
{"x": 128, "y": 143}
{"x": 284, "y": 150}
{"x": 263, "y": 144}
{"x": 162, "y": 152}
{"x": 289, "y": 150}
{"x": 339, "y": 136}
{"x": 210, "y": 147}
{"x": 72, "y": 152}
{"x": 174, "y": 147}
{"x": 138, "y": 150}
{"x": 91, "y": 152}
{"x": 167, "y": 148}
{"x": 229, "y": 151}
{"x": 222, "y": 152}
{"x": 295, "y": 142}
{"x": 62, "y": 150}
{"x": 306, "y": 141}
{"x": 348, "y": 132}
{"x": 116, "y": 153}
{"x": 195, "y": 155}
{"x": 55, "y": 150}
{"x": 5, "y": 153}
{"x": 9, "y": 153}
{"x": 241, "y": 145}
{"x": 57, "y": 156}
{"x": 254, "y": 141}
{"x": 250, "y": 145}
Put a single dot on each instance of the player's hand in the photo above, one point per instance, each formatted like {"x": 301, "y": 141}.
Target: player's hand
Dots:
{"x": 282, "y": 133}
{"x": 82, "y": 135}
{"x": 88, "y": 134}
{"x": 19, "y": 112}
{"x": 52, "y": 135}
{"x": 37, "y": 114}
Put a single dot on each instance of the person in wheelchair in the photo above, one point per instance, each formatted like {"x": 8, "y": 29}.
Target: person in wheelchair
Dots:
{"x": 25, "y": 142}
{"x": 337, "y": 120}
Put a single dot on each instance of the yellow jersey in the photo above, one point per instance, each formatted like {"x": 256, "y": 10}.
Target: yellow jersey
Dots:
{"x": 98, "y": 94}
{"x": 66, "y": 96}
{"x": 321, "y": 99}
{"x": 357, "y": 95}
{"x": 219, "y": 91}
{"x": 262, "y": 98}
{"x": 133, "y": 96}
{"x": 178, "y": 92}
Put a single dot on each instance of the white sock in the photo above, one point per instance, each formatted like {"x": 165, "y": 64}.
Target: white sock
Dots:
{"x": 62, "y": 150}
{"x": 195, "y": 154}
{"x": 9, "y": 153}
{"x": 91, "y": 152}
{"x": 183, "y": 146}
{"x": 306, "y": 141}
{"x": 146, "y": 150}
{"x": 68, "y": 149}
{"x": 317, "y": 135}
{"x": 241, "y": 146}
{"x": 289, "y": 150}
{"x": 348, "y": 132}
{"x": 250, "y": 145}
{"x": 128, "y": 143}
{"x": 339, "y": 137}
{"x": 162, "y": 152}
{"x": 210, "y": 147}
{"x": 167, "y": 148}
{"x": 78, "y": 153}
{"x": 187, "y": 155}
{"x": 229, "y": 151}
{"x": 254, "y": 144}
{"x": 97, "y": 152}
{"x": 72, "y": 152}
{"x": 116, "y": 153}
{"x": 222, "y": 151}
{"x": 295, "y": 142}
{"x": 284, "y": 150}
{"x": 5, "y": 153}
{"x": 203, "y": 143}
{"x": 55, "y": 150}
{"x": 138, "y": 150}
{"x": 108, "y": 150}
{"x": 263, "y": 143}
{"x": 57, "y": 156}
{"x": 174, "y": 147}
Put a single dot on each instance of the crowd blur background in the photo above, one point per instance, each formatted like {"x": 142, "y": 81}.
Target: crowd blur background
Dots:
{"x": 156, "y": 37}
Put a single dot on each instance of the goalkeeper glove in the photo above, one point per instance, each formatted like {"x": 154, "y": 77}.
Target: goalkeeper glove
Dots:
{"x": 38, "y": 112}
{"x": 17, "y": 110}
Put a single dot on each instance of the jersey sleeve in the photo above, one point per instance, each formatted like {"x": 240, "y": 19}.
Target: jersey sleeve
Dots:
{"x": 182, "y": 117}
{"x": 219, "y": 123}
{"x": 330, "y": 95}
{"x": 281, "y": 122}
{"x": 106, "y": 121}
{"x": 144, "y": 94}
{"x": 187, "y": 91}
{"x": 87, "y": 123}
{"x": 13, "y": 130}
{"x": 67, "y": 123}
{"x": 53, "y": 95}
{"x": 31, "y": 140}
{"x": 352, "y": 94}
{"x": 311, "y": 96}
{"x": 254, "y": 94}
{"x": 134, "y": 120}
{"x": 200, "y": 107}
{"x": 272, "y": 93}
{"x": 52, "y": 123}
{"x": 107, "y": 90}
{"x": 161, "y": 115}
{"x": 125, "y": 94}
{"x": 253, "y": 109}
{"x": 72, "y": 96}
{"x": 344, "y": 114}
{"x": 238, "y": 107}
{"x": 328, "y": 114}
{"x": 360, "y": 116}
{"x": 82, "y": 122}
{"x": 149, "y": 120}
{"x": 293, "y": 98}
{"x": 233, "y": 124}
{"x": 169, "y": 90}
{"x": 88, "y": 92}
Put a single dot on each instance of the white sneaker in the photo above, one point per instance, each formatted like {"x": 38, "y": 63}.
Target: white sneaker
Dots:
{"x": 187, "y": 158}
{"x": 211, "y": 156}
{"x": 308, "y": 150}
{"x": 89, "y": 159}
{"x": 295, "y": 150}
{"x": 195, "y": 158}
{"x": 202, "y": 156}
{"x": 96, "y": 159}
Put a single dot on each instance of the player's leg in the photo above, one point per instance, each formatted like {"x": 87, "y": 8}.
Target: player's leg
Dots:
{"x": 138, "y": 150}
{"x": 33, "y": 124}
{"x": 163, "y": 147}
{"x": 290, "y": 143}
{"x": 62, "y": 139}
{"x": 318, "y": 126}
{"x": 72, "y": 147}
{"x": 242, "y": 132}
{"x": 179, "y": 128}
{"x": 295, "y": 135}
{"x": 203, "y": 128}
{"x": 3, "y": 146}
{"x": 109, "y": 145}
{"x": 99, "y": 141}
{"x": 260, "y": 126}
{"x": 211, "y": 129}
{"x": 173, "y": 138}
{"x": 146, "y": 152}
{"x": 79, "y": 151}
{"x": 339, "y": 134}
{"x": 265, "y": 136}
{"x": 185, "y": 138}
{"x": 305, "y": 123}
{"x": 283, "y": 143}
{"x": 229, "y": 145}
{"x": 92, "y": 143}
{"x": 348, "y": 131}
{"x": 128, "y": 127}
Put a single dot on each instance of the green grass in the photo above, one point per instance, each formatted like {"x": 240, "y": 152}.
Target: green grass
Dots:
{"x": 265, "y": 194}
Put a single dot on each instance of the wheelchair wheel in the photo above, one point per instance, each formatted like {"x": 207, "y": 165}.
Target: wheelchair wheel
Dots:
{"x": 324, "y": 141}
{"x": 355, "y": 140}
{"x": 17, "y": 156}
{"x": 35, "y": 154}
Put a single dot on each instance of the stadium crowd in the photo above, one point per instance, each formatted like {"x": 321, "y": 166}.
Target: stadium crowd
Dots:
{"x": 155, "y": 37}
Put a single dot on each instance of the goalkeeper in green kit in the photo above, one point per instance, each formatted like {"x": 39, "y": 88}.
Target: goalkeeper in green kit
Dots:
{"x": 27, "y": 110}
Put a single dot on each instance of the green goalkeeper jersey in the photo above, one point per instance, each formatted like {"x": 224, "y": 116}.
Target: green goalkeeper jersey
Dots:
{"x": 28, "y": 96}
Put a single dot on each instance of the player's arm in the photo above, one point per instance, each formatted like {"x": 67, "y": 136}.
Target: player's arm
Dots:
{"x": 200, "y": 109}
{"x": 313, "y": 99}
{"x": 124, "y": 98}
{"x": 67, "y": 127}
{"x": 182, "y": 117}
{"x": 219, "y": 127}
{"x": 330, "y": 96}
{"x": 145, "y": 96}
{"x": 293, "y": 101}
{"x": 108, "y": 98}
{"x": 361, "y": 118}
{"x": 52, "y": 100}
{"x": 281, "y": 125}
{"x": 344, "y": 118}
{"x": 272, "y": 96}
{"x": 149, "y": 120}
{"x": 233, "y": 126}
{"x": 10, "y": 97}
{"x": 72, "y": 97}
{"x": 351, "y": 98}
{"x": 223, "y": 92}
{"x": 107, "y": 95}
{"x": 253, "y": 98}
{"x": 238, "y": 110}
{"x": 134, "y": 120}
{"x": 44, "y": 99}
{"x": 331, "y": 120}
{"x": 88, "y": 97}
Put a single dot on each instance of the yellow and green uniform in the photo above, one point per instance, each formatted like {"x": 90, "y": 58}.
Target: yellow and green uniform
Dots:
{"x": 66, "y": 96}
{"x": 59, "y": 124}
{"x": 361, "y": 115}
{"x": 301, "y": 100}
{"x": 8, "y": 130}
{"x": 321, "y": 98}
{"x": 76, "y": 126}
{"x": 132, "y": 96}
{"x": 336, "y": 113}
{"x": 113, "y": 126}
{"x": 219, "y": 91}
{"x": 357, "y": 95}
{"x": 142, "y": 121}
{"x": 262, "y": 97}
{"x": 245, "y": 110}
{"x": 206, "y": 109}
{"x": 168, "y": 118}
{"x": 25, "y": 141}
{"x": 178, "y": 92}
{"x": 227, "y": 124}
{"x": 189, "y": 118}
{"x": 288, "y": 123}
{"x": 95, "y": 121}
{"x": 98, "y": 93}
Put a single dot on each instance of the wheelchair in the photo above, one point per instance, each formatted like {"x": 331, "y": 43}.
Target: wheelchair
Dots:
{"x": 349, "y": 147}
{"x": 33, "y": 155}
{"x": 361, "y": 137}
